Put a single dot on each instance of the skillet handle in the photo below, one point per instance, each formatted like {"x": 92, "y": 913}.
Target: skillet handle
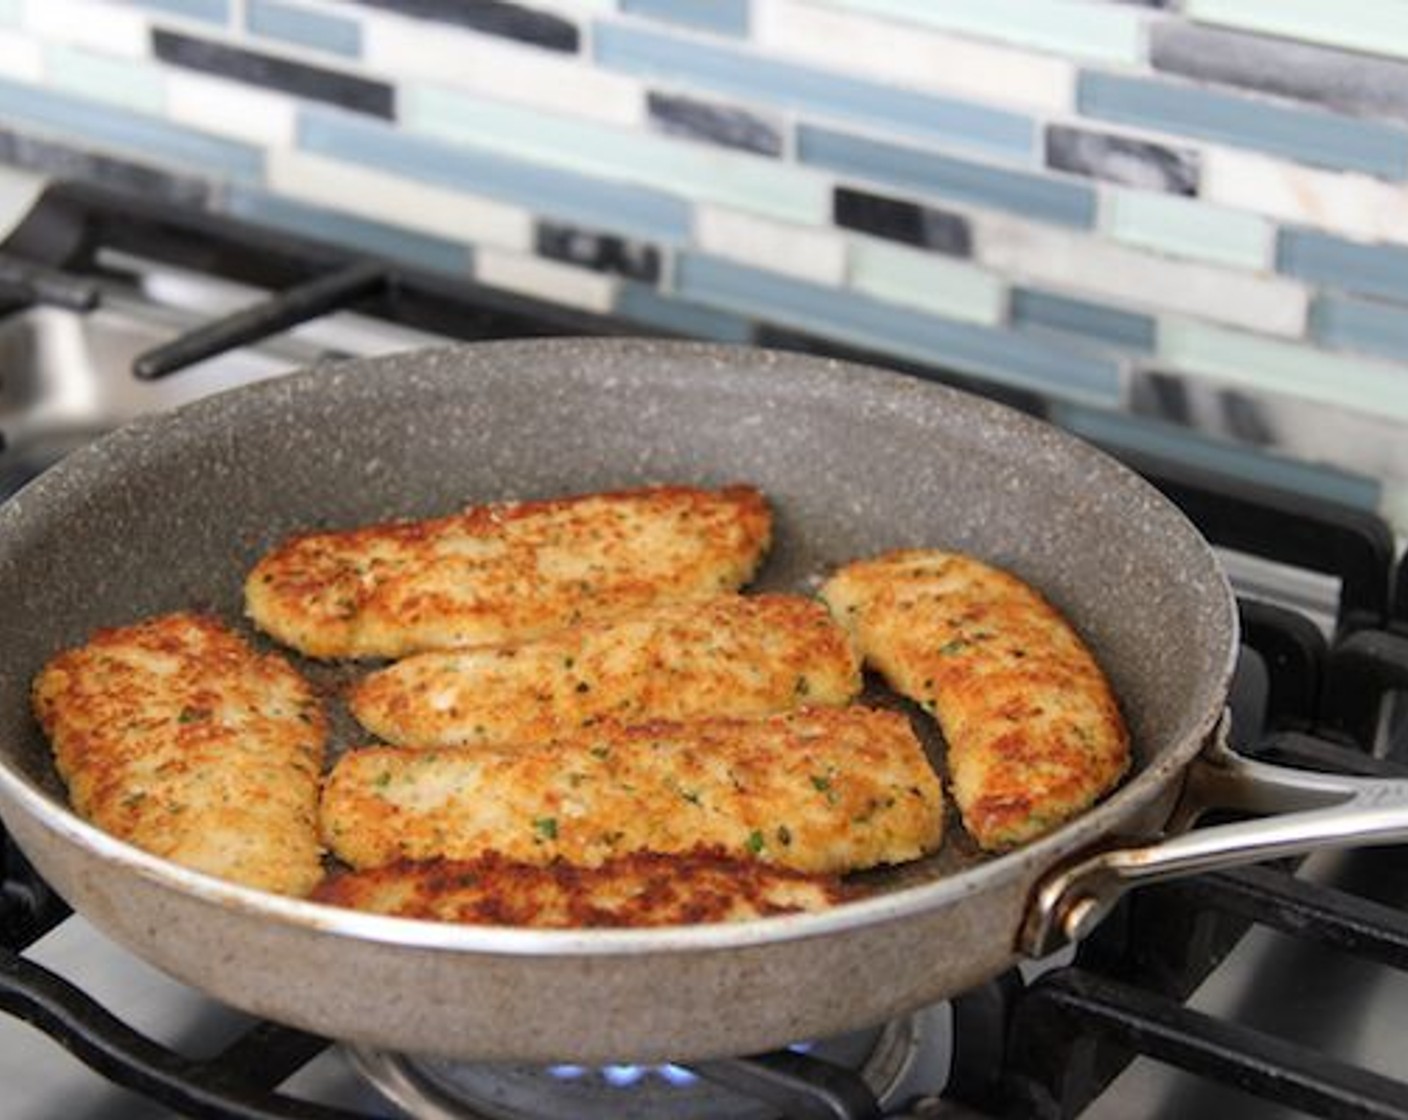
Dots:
{"x": 1310, "y": 811}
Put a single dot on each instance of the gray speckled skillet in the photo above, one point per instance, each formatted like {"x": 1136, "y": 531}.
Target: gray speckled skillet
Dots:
{"x": 171, "y": 512}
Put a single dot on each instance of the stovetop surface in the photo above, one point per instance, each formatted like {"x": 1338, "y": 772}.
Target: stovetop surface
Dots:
{"x": 1335, "y": 1003}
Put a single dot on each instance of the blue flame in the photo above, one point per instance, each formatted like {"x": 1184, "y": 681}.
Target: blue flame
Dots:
{"x": 624, "y": 1076}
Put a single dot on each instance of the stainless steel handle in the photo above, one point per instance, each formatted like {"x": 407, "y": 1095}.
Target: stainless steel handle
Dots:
{"x": 1310, "y": 811}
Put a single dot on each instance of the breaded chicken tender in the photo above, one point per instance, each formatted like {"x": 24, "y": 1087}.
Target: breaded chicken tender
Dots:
{"x": 637, "y": 890}
{"x": 506, "y": 571}
{"x": 1034, "y": 732}
{"x": 175, "y": 735}
{"x": 728, "y": 655}
{"x": 822, "y": 790}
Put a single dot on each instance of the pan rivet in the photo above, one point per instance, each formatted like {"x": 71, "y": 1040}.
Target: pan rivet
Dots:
{"x": 1081, "y": 917}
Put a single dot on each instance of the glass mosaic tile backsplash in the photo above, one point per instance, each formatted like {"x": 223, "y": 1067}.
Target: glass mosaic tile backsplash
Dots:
{"x": 1183, "y": 221}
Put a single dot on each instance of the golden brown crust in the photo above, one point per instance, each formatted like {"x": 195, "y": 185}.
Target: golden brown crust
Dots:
{"x": 826, "y": 790}
{"x": 637, "y": 890}
{"x": 727, "y": 655}
{"x": 175, "y": 735}
{"x": 505, "y": 571}
{"x": 1034, "y": 732}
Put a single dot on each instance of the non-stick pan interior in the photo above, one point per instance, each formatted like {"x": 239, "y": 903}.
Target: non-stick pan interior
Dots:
{"x": 171, "y": 512}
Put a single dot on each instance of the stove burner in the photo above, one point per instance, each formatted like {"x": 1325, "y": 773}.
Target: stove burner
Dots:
{"x": 442, "y": 1089}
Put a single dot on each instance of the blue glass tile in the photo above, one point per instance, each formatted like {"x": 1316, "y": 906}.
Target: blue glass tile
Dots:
{"x": 213, "y": 11}
{"x": 1122, "y": 432}
{"x": 1032, "y": 308}
{"x": 1334, "y": 262}
{"x": 993, "y": 132}
{"x": 1345, "y": 323}
{"x": 344, "y": 230}
{"x": 1033, "y": 196}
{"x": 304, "y": 27}
{"x": 599, "y": 203}
{"x": 1305, "y": 135}
{"x": 1003, "y": 356}
{"x": 112, "y": 128}
{"x": 77, "y": 161}
{"x": 726, "y": 17}
{"x": 646, "y": 305}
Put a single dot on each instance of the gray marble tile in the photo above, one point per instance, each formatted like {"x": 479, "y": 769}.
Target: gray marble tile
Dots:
{"x": 316, "y": 83}
{"x": 903, "y": 220}
{"x": 1339, "y": 80}
{"x": 492, "y": 17}
{"x": 711, "y": 121}
{"x": 1122, "y": 159}
{"x": 598, "y": 251}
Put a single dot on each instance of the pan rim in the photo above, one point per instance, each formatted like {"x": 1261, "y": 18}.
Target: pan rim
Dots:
{"x": 894, "y": 905}
{"x": 897, "y": 904}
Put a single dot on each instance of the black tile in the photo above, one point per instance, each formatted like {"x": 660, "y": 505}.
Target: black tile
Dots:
{"x": 601, "y": 252}
{"x": 898, "y": 219}
{"x": 718, "y": 124}
{"x": 1121, "y": 159}
{"x": 1340, "y": 80}
{"x": 348, "y": 91}
{"x": 492, "y": 17}
{"x": 62, "y": 162}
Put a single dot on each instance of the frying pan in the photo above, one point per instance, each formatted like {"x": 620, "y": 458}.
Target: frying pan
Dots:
{"x": 170, "y": 513}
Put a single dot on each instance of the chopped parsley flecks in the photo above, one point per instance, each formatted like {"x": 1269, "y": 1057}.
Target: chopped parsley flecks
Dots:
{"x": 822, "y": 784}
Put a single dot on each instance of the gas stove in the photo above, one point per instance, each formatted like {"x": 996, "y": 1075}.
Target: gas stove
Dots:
{"x": 1267, "y": 992}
